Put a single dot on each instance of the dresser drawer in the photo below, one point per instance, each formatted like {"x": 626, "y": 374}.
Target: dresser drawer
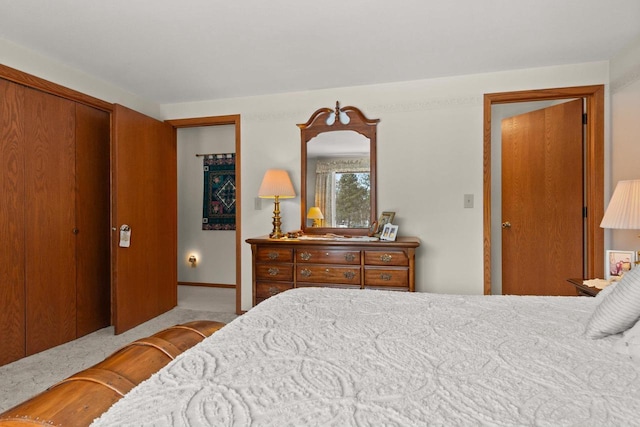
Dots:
{"x": 279, "y": 265}
{"x": 274, "y": 254}
{"x": 328, "y": 274}
{"x": 274, "y": 272}
{"x": 386, "y": 258}
{"x": 266, "y": 290}
{"x": 328, "y": 256}
{"x": 327, "y": 285}
{"x": 394, "y": 277}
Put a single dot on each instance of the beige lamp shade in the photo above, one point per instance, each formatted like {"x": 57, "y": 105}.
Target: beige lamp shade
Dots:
{"x": 276, "y": 182}
{"x": 623, "y": 211}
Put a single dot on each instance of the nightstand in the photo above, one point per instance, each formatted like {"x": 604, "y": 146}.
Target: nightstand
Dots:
{"x": 582, "y": 289}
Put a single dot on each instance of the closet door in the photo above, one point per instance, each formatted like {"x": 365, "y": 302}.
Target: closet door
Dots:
{"x": 50, "y": 274}
{"x": 93, "y": 285}
{"x": 12, "y": 298}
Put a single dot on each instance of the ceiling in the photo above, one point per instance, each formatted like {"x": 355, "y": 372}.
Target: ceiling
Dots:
{"x": 169, "y": 51}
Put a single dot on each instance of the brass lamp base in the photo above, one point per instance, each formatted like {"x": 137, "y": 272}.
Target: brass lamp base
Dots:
{"x": 277, "y": 232}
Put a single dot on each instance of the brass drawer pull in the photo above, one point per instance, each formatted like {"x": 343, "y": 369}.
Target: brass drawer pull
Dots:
{"x": 305, "y": 272}
{"x": 349, "y": 275}
{"x": 386, "y": 258}
{"x": 273, "y": 271}
{"x": 273, "y": 291}
{"x": 305, "y": 256}
{"x": 385, "y": 276}
{"x": 272, "y": 255}
{"x": 349, "y": 257}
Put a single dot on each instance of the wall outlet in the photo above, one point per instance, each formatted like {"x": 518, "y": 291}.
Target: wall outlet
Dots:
{"x": 468, "y": 200}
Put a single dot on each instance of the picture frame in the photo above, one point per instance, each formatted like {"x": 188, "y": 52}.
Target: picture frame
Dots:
{"x": 389, "y": 232}
{"x": 385, "y": 218}
{"x": 618, "y": 262}
{"x": 373, "y": 229}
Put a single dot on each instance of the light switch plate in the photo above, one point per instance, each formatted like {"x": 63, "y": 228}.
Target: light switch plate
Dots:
{"x": 257, "y": 204}
{"x": 468, "y": 200}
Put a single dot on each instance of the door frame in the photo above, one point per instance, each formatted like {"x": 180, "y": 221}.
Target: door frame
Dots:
{"x": 594, "y": 168}
{"x": 232, "y": 119}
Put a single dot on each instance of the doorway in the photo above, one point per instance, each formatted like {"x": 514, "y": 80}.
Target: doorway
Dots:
{"x": 234, "y": 121}
{"x": 593, "y": 97}
{"x": 542, "y": 200}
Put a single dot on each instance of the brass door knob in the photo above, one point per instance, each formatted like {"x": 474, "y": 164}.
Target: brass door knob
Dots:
{"x": 506, "y": 224}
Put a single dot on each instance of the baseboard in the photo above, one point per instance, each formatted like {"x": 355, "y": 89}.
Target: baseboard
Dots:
{"x": 207, "y": 285}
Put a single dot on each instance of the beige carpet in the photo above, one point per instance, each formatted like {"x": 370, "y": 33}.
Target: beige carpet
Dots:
{"x": 31, "y": 375}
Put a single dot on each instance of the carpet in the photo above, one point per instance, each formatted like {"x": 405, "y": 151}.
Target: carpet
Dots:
{"x": 31, "y": 375}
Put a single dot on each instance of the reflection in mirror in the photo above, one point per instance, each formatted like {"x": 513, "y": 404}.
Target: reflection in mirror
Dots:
{"x": 338, "y": 171}
{"x": 338, "y": 180}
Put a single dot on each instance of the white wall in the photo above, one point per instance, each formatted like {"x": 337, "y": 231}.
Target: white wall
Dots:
{"x": 429, "y": 156}
{"x": 429, "y": 153}
{"x": 625, "y": 134}
{"x": 214, "y": 249}
{"x": 31, "y": 62}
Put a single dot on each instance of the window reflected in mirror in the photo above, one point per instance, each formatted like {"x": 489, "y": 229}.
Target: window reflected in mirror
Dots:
{"x": 342, "y": 192}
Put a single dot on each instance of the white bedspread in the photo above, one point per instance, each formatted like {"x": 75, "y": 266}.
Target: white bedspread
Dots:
{"x": 351, "y": 357}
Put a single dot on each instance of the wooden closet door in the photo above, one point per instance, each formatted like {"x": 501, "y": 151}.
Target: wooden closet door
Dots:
{"x": 12, "y": 297}
{"x": 93, "y": 202}
{"x": 49, "y": 220}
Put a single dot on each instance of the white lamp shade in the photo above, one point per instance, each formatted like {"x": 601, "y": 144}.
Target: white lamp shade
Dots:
{"x": 623, "y": 211}
{"x": 276, "y": 182}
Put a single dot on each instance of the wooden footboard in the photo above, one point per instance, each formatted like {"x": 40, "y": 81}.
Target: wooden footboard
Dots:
{"x": 79, "y": 399}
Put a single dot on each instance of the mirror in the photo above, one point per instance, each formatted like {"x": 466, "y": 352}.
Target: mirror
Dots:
{"x": 338, "y": 172}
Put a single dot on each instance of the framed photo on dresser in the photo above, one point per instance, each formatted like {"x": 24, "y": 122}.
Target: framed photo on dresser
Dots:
{"x": 385, "y": 218}
{"x": 389, "y": 232}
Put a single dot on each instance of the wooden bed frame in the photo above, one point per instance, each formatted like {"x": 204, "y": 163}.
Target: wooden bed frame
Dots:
{"x": 84, "y": 396}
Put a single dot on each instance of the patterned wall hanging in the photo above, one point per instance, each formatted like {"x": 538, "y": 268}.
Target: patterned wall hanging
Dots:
{"x": 219, "y": 201}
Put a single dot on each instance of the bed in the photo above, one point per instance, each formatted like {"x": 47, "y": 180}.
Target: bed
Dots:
{"x": 318, "y": 356}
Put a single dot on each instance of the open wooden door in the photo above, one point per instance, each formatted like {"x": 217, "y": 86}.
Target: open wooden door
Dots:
{"x": 144, "y": 198}
{"x": 542, "y": 200}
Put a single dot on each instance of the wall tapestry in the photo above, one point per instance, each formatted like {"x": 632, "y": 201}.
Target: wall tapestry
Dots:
{"x": 219, "y": 201}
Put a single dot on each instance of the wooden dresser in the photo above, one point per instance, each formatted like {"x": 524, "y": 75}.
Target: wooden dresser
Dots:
{"x": 281, "y": 264}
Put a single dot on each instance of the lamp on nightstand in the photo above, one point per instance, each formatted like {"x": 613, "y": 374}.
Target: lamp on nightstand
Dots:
{"x": 276, "y": 185}
{"x": 623, "y": 211}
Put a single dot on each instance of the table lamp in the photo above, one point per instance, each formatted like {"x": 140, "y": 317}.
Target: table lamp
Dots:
{"x": 276, "y": 185}
{"x": 623, "y": 211}
{"x": 316, "y": 215}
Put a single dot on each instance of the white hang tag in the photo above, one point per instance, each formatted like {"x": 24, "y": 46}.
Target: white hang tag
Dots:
{"x": 125, "y": 236}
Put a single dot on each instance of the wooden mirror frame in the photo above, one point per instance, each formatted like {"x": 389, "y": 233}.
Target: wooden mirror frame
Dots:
{"x": 316, "y": 125}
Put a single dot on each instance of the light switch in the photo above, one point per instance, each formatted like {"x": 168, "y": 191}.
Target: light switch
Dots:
{"x": 257, "y": 204}
{"x": 468, "y": 200}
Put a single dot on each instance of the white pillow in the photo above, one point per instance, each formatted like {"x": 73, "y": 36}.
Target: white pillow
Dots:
{"x": 619, "y": 310}
{"x": 600, "y": 296}
{"x": 629, "y": 344}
